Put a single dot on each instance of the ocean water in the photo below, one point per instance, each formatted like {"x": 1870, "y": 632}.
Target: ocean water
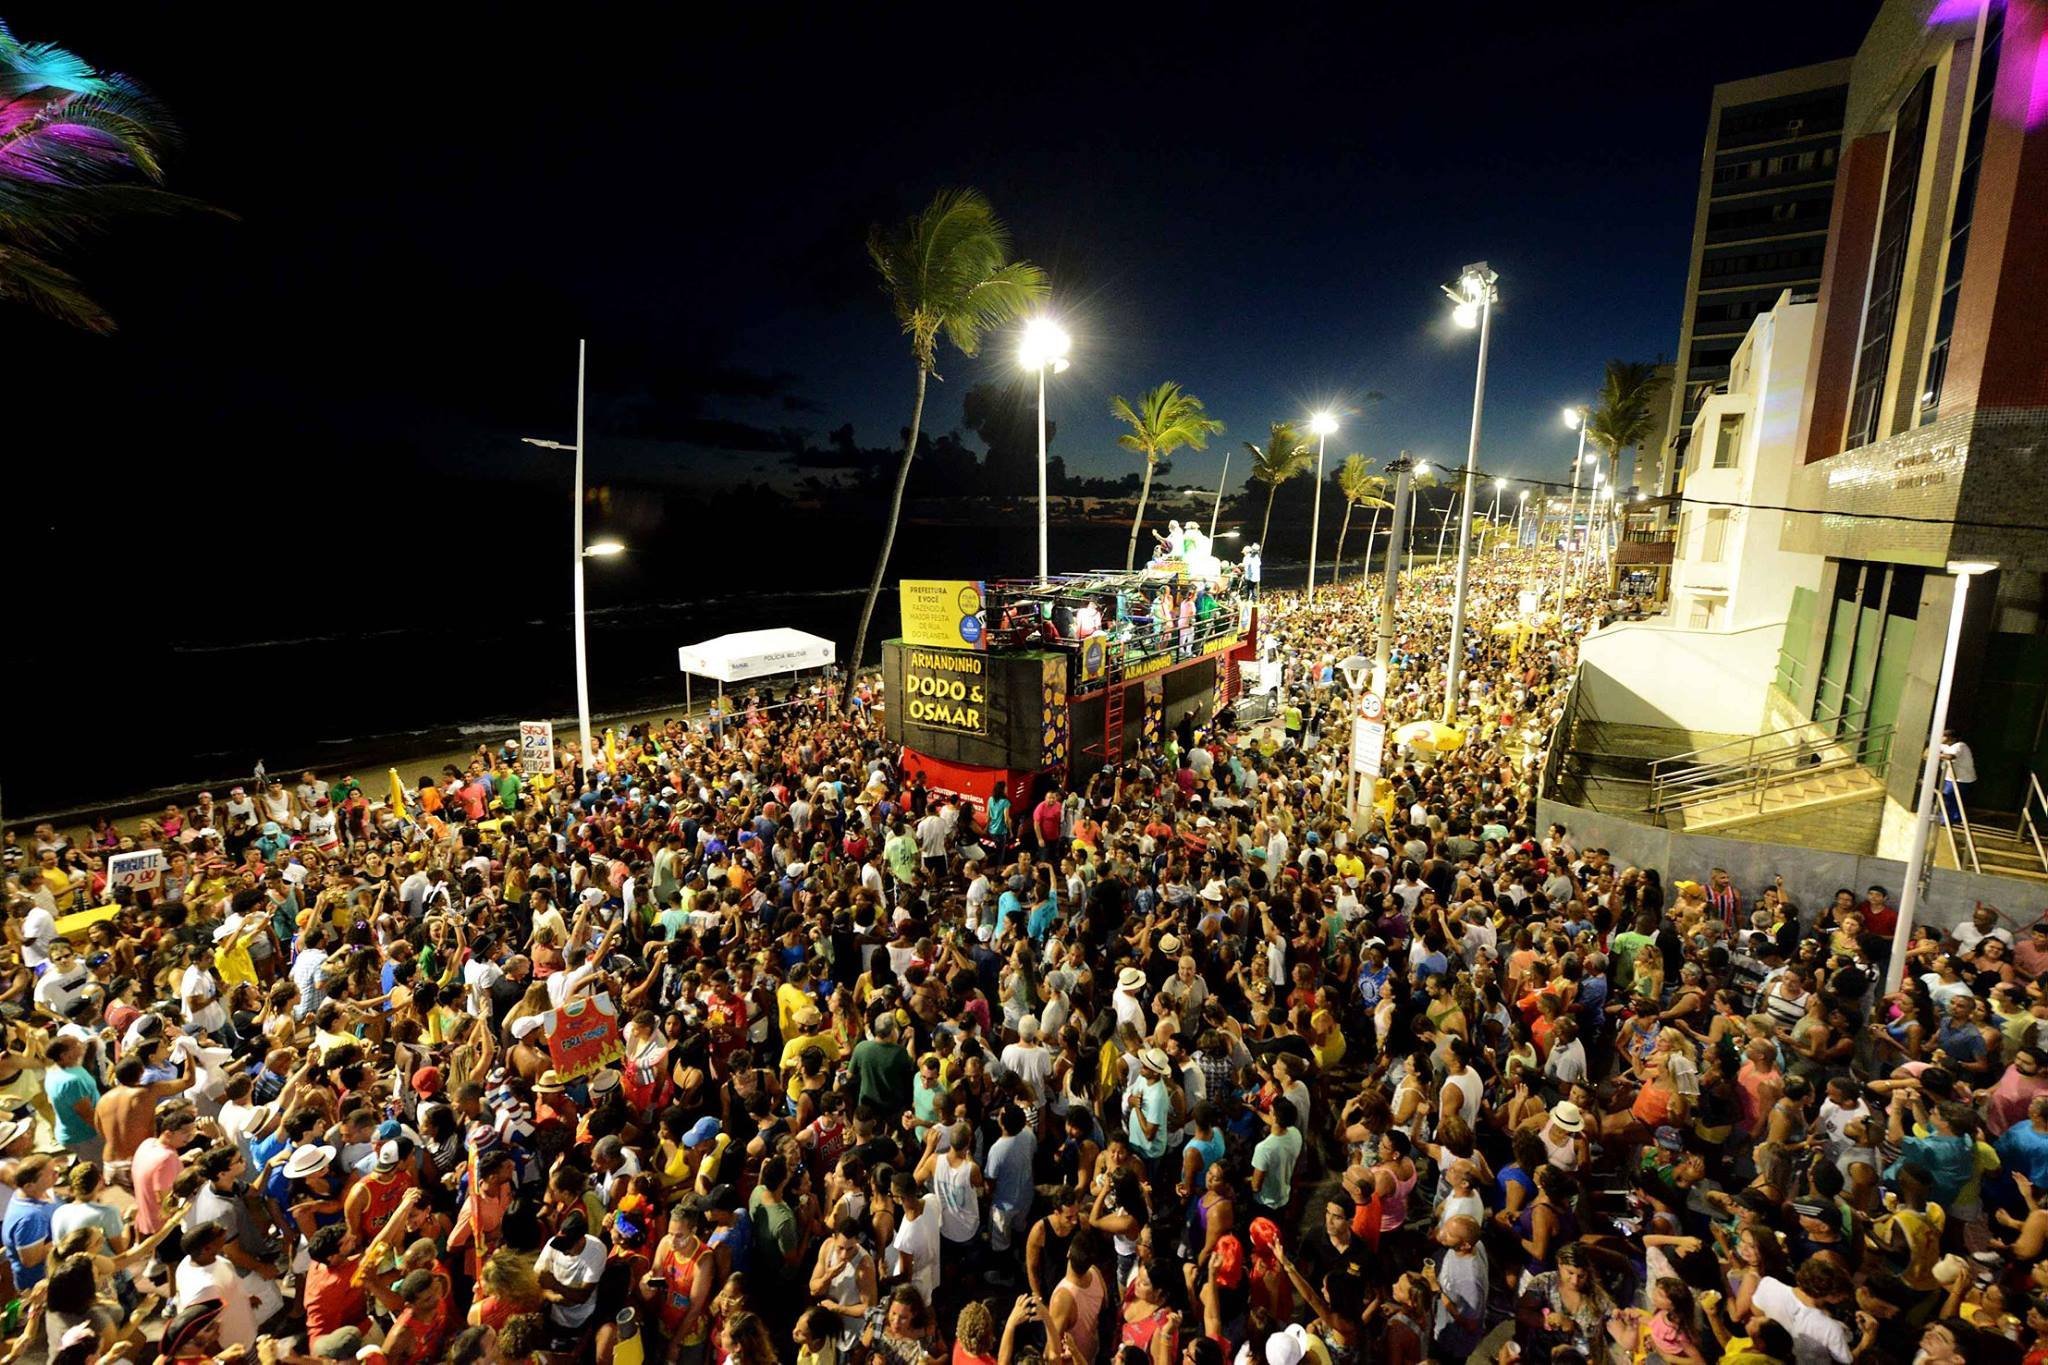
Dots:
{"x": 174, "y": 702}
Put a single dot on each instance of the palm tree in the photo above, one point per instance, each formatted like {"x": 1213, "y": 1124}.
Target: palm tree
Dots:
{"x": 1419, "y": 482}
{"x": 1361, "y": 488}
{"x": 1621, "y": 419}
{"x": 946, "y": 270}
{"x": 74, "y": 143}
{"x": 1165, "y": 419}
{"x": 1284, "y": 456}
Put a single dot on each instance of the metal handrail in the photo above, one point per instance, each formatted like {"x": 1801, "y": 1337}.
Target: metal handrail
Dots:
{"x": 1758, "y": 781}
{"x": 1752, "y": 741}
{"x": 1962, "y": 817}
{"x": 2027, "y": 803}
{"x": 1805, "y": 748}
{"x": 1758, "y": 773}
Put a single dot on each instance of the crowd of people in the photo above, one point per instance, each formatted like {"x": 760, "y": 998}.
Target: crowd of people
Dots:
{"x": 1184, "y": 1063}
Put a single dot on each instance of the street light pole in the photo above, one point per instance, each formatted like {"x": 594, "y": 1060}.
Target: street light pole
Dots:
{"x": 1521, "y": 510}
{"x": 1576, "y": 419}
{"x": 1322, "y": 424}
{"x": 1044, "y": 347}
{"x": 1930, "y": 774}
{"x": 1475, "y": 290}
{"x": 578, "y": 551}
{"x": 1221, "y": 479}
{"x": 1402, "y": 470}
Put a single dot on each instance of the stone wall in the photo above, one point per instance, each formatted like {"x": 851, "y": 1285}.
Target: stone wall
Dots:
{"x": 1811, "y": 875}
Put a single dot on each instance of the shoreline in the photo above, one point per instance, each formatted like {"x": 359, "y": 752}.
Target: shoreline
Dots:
{"x": 76, "y": 821}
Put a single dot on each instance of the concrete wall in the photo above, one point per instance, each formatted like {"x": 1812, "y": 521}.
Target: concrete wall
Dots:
{"x": 1652, "y": 673}
{"x": 1811, "y": 875}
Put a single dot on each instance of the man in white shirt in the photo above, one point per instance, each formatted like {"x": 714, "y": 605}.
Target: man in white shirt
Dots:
{"x": 1027, "y": 1058}
{"x": 1983, "y": 924}
{"x": 38, "y": 932}
{"x": 571, "y": 1264}
{"x": 931, "y": 843}
{"x": 1962, "y": 771}
{"x": 1818, "y": 1338}
{"x": 64, "y": 982}
{"x": 479, "y": 975}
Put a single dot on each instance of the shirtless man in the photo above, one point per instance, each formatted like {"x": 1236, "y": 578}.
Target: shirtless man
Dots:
{"x": 126, "y": 1114}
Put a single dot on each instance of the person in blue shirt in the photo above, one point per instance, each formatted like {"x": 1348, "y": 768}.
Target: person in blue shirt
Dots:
{"x": 1010, "y": 1162}
{"x": 26, "y": 1227}
{"x": 1045, "y": 914}
{"x": 2024, "y": 1146}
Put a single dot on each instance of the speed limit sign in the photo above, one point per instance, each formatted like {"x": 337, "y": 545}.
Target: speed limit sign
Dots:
{"x": 1371, "y": 707}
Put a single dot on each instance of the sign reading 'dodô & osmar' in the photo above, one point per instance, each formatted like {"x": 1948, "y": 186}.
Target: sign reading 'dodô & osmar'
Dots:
{"x": 946, "y": 689}
{"x": 943, "y": 612}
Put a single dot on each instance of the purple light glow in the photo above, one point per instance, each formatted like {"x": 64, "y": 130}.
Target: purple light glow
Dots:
{"x": 1954, "y": 12}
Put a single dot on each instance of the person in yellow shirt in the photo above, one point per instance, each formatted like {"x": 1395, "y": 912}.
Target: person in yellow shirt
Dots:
{"x": 810, "y": 1032}
{"x": 62, "y": 886}
{"x": 231, "y": 960}
{"x": 792, "y": 997}
{"x": 1349, "y": 864}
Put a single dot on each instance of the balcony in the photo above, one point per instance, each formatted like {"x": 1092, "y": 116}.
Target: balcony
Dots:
{"x": 1649, "y": 545}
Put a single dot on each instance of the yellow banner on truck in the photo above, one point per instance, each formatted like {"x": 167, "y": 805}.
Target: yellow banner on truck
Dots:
{"x": 945, "y": 613}
{"x": 945, "y": 689}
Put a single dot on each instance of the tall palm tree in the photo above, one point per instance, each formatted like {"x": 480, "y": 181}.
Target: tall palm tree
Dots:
{"x": 1285, "y": 455}
{"x": 1419, "y": 482}
{"x": 1361, "y": 488}
{"x": 946, "y": 271}
{"x": 1165, "y": 419}
{"x": 1621, "y": 419}
{"x": 77, "y": 148}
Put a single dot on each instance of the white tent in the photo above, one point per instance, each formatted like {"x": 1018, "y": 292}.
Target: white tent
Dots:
{"x": 753, "y": 654}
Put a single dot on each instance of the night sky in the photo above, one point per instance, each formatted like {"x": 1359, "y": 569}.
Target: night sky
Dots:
{"x": 430, "y": 211}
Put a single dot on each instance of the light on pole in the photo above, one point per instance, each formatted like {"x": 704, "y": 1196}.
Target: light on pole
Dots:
{"x": 1575, "y": 418}
{"x": 1414, "y": 498}
{"x": 1930, "y": 774}
{"x": 1521, "y": 507}
{"x": 1322, "y": 424}
{"x": 1500, "y": 486}
{"x": 578, "y": 552}
{"x": 1044, "y": 347}
{"x": 1473, "y": 295}
{"x": 1221, "y": 479}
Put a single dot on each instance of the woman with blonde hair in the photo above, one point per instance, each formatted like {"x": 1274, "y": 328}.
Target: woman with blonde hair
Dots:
{"x": 507, "y": 1287}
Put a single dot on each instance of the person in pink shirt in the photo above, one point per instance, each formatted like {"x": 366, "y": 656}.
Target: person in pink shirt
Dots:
{"x": 2030, "y": 954}
{"x": 157, "y": 1164}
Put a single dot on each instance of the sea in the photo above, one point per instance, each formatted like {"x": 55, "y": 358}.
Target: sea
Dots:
{"x": 396, "y": 669}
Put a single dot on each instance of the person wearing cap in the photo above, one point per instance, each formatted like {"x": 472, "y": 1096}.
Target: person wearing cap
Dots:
{"x": 1149, "y": 1107}
{"x": 374, "y": 1197}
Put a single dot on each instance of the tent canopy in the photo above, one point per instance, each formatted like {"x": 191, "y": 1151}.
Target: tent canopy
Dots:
{"x": 756, "y": 654}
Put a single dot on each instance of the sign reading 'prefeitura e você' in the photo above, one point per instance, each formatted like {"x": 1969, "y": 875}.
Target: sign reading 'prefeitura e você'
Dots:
{"x": 946, "y": 689}
{"x": 943, "y": 612}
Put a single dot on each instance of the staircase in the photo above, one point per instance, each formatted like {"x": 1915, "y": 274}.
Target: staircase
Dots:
{"x": 1819, "y": 783}
{"x": 1823, "y": 787}
{"x": 1971, "y": 843}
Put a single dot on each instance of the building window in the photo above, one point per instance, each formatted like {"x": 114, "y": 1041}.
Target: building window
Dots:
{"x": 1965, "y": 212}
{"x": 1888, "y": 266}
{"x": 1715, "y": 541}
{"x": 1728, "y": 442}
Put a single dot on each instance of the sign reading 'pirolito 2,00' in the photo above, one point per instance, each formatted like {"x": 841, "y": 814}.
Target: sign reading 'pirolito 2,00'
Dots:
{"x": 945, "y": 689}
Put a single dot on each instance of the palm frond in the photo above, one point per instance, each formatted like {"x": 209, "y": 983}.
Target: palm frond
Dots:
{"x": 946, "y": 271}
{"x": 1283, "y": 457}
{"x": 52, "y": 290}
{"x": 1165, "y": 419}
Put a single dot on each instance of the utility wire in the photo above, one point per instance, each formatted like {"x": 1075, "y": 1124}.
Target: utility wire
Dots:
{"x": 1456, "y": 476}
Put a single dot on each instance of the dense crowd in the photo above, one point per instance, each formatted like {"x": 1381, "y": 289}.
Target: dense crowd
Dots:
{"x": 1179, "y": 1063}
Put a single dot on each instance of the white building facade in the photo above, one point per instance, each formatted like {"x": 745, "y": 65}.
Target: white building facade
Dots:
{"x": 1728, "y": 572}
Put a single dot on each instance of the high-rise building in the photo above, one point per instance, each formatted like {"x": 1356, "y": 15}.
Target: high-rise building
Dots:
{"x": 1925, "y": 416}
{"x": 1760, "y": 227}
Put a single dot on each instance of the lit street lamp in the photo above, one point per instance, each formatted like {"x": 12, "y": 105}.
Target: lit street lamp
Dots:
{"x": 1521, "y": 506}
{"x": 579, "y": 551}
{"x": 1473, "y": 296}
{"x": 1500, "y": 486}
{"x": 1322, "y": 424}
{"x": 1575, "y": 418}
{"x": 1044, "y": 347}
{"x": 1930, "y": 775}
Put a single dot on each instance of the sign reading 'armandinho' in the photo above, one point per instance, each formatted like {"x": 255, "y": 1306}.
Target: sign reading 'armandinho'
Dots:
{"x": 944, "y": 689}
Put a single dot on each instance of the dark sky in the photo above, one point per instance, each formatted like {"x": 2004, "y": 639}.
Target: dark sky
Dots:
{"x": 1259, "y": 202}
